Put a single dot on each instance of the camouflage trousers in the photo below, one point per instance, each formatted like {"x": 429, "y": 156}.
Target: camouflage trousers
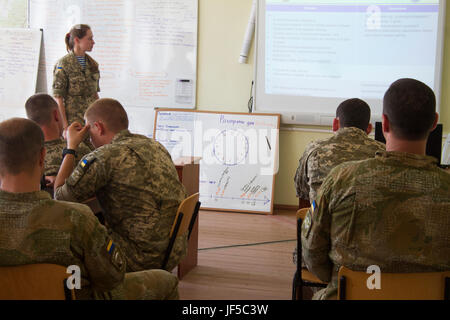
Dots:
{"x": 138, "y": 260}
{"x": 153, "y": 284}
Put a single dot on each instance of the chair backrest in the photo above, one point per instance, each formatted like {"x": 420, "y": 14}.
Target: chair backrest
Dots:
{"x": 184, "y": 222}
{"x": 301, "y": 213}
{"x": 353, "y": 285}
{"x": 34, "y": 282}
{"x": 187, "y": 209}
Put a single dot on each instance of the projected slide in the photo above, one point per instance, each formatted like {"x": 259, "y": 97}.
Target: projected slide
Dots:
{"x": 312, "y": 55}
{"x": 348, "y": 48}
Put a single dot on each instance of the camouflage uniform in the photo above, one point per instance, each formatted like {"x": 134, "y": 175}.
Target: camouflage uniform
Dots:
{"x": 36, "y": 229}
{"x": 391, "y": 211}
{"x": 53, "y": 157}
{"x": 78, "y": 87}
{"x": 137, "y": 186}
{"x": 347, "y": 144}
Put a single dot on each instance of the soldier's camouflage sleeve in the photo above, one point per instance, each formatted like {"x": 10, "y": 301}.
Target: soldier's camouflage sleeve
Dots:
{"x": 301, "y": 177}
{"x": 103, "y": 258}
{"x": 82, "y": 150}
{"x": 53, "y": 159}
{"x": 88, "y": 176}
{"x": 316, "y": 241}
{"x": 60, "y": 81}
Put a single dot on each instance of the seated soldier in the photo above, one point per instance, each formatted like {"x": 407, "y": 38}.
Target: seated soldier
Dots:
{"x": 43, "y": 109}
{"x": 390, "y": 211}
{"x": 36, "y": 229}
{"x": 350, "y": 142}
{"x": 134, "y": 180}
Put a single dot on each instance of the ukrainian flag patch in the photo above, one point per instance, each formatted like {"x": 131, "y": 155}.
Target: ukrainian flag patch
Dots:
{"x": 313, "y": 206}
{"x": 86, "y": 162}
{"x": 59, "y": 68}
{"x": 110, "y": 247}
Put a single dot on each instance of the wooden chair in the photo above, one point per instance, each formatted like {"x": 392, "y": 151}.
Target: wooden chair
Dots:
{"x": 394, "y": 286}
{"x": 302, "y": 276}
{"x": 35, "y": 282}
{"x": 184, "y": 222}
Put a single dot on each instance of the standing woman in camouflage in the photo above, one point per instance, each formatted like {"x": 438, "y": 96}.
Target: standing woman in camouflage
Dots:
{"x": 76, "y": 76}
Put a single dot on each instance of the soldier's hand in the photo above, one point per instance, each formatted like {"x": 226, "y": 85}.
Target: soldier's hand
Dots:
{"x": 75, "y": 134}
{"x": 49, "y": 181}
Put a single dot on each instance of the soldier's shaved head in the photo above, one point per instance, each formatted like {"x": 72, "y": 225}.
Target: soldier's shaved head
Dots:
{"x": 39, "y": 108}
{"x": 353, "y": 113}
{"x": 110, "y": 112}
{"x": 410, "y": 106}
{"x": 21, "y": 141}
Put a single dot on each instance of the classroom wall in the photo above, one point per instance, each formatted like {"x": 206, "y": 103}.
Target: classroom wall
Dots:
{"x": 224, "y": 85}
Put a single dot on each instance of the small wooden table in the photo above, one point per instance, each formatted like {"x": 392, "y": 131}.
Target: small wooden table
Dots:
{"x": 188, "y": 169}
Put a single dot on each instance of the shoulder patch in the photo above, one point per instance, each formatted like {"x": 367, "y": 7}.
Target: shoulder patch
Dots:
{"x": 313, "y": 207}
{"x": 81, "y": 169}
{"x": 306, "y": 225}
{"x": 85, "y": 163}
{"x": 116, "y": 256}
{"x": 87, "y": 160}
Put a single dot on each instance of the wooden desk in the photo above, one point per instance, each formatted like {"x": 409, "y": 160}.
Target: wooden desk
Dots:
{"x": 188, "y": 170}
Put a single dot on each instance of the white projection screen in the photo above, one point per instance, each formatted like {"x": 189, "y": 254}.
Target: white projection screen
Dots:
{"x": 312, "y": 55}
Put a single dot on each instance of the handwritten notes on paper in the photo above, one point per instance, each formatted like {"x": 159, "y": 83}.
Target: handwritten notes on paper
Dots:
{"x": 19, "y": 57}
{"x": 147, "y": 50}
{"x": 239, "y": 155}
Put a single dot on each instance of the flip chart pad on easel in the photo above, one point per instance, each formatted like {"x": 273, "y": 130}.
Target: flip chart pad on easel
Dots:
{"x": 19, "y": 59}
{"x": 238, "y": 151}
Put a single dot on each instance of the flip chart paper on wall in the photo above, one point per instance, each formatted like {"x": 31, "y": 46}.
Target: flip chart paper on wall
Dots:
{"x": 13, "y": 13}
{"x": 19, "y": 58}
{"x": 147, "y": 50}
{"x": 239, "y": 155}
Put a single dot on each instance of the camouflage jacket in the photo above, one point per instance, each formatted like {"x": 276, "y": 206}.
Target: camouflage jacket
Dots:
{"x": 347, "y": 144}
{"x": 137, "y": 185}
{"x": 76, "y": 86}
{"x": 36, "y": 229}
{"x": 391, "y": 211}
{"x": 53, "y": 157}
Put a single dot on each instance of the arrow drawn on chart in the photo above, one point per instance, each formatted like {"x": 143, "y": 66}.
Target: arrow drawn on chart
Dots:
{"x": 265, "y": 200}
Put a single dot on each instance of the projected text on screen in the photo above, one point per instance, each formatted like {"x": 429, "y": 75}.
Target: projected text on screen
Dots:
{"x": 348, "y": 48}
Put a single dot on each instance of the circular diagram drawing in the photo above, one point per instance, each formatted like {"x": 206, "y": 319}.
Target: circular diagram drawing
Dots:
{"x": 230, "y": 147}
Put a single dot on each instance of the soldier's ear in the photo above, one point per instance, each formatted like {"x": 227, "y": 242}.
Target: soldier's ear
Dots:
{"x": 335, "y": 124}
{"x": 369, "y": 128}
{"x": 100, "y": 127}
{"x": 385, "y": 123}
{"x": 42, "y": 157}
{"x": 55, "y": 115}
{"x": 436, "y": 118}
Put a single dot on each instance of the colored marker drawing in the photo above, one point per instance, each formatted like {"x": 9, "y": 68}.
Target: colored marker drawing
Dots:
{"x": 230, "y": 147}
